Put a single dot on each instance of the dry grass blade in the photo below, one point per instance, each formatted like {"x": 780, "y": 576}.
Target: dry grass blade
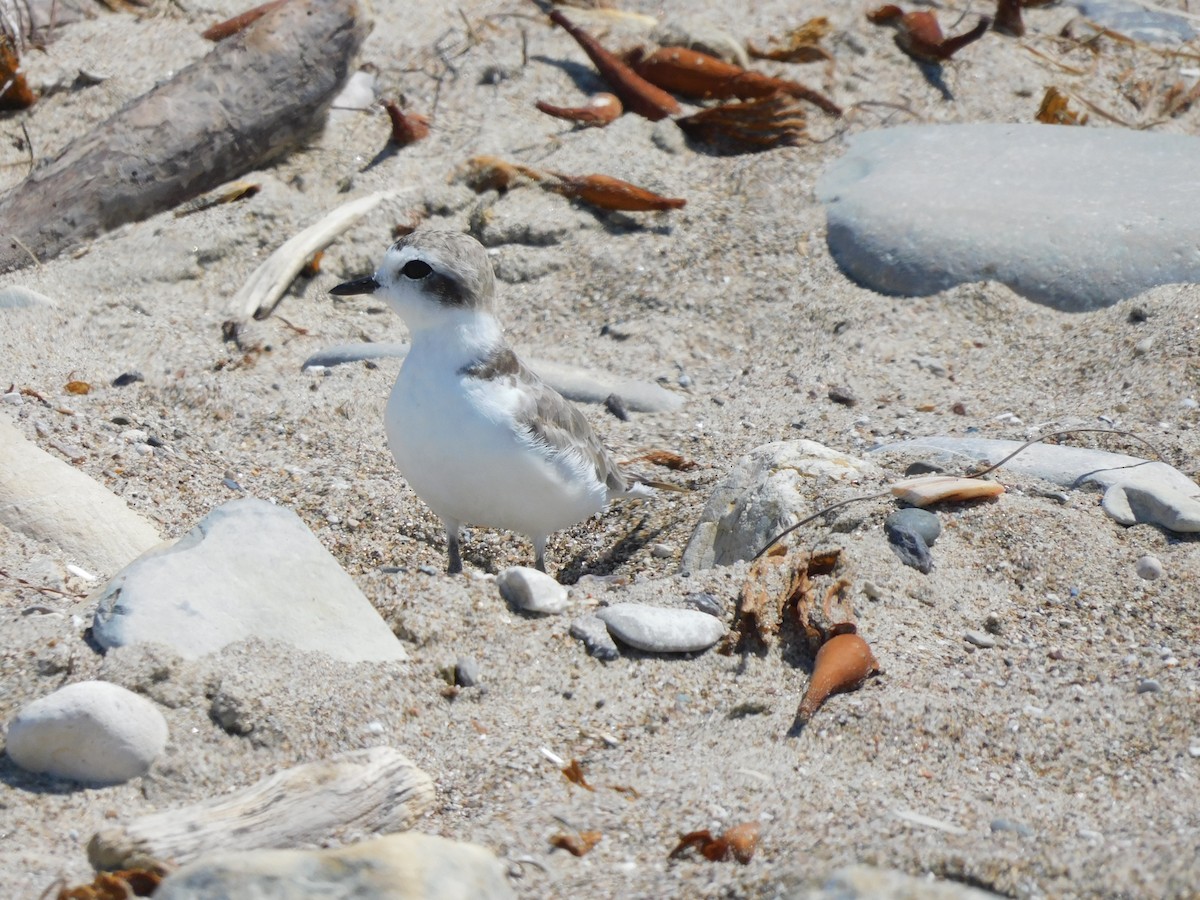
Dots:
{"x": 775, "y": 121}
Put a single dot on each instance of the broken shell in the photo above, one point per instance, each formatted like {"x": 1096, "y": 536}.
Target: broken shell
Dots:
{"x": 599, "y": 111}
{"x": 843, "y": 663}
{"x": 639, "y": 95}
{"x": 612, "y": 193}
{"x": 695, "y": 74}
{"x": 929, "y": 489}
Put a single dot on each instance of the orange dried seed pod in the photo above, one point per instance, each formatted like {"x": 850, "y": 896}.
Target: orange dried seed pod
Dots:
{"x": 695, "y": 74}
{"x": 607, "y": 192}
{"x": 843, "y": 663}
{"x": 598, "y": 112}
{"x": 639, "y": 95}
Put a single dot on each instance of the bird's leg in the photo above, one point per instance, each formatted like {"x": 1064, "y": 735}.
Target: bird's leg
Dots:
{"x": 539, "y": 548}
{"x": 454, "y": 566}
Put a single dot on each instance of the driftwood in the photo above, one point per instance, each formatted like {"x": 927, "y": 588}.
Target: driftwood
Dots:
{"x": 373, "y": 791}
{"x": 254, "y": 98}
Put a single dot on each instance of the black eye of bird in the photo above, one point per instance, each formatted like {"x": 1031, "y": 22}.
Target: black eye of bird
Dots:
{"x": 415, "y": 269}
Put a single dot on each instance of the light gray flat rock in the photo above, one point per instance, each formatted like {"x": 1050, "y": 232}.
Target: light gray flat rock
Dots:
{"x": 397, "y": 867}
{"x": 862, "y": 882}
{"x": 574, "y": 383}
{"x": 1075, "y": 218}
{"x": 248, "y": 569}
{"x": 92, "y": 731}
{"x": 659, "y": 630}
{"x": 49, "y": 500}
{"x": 18, "y": 297}
{"x": 1135, "y": 490}
{"x": 1137, "y": 21}
{"x": 766, "y": 492}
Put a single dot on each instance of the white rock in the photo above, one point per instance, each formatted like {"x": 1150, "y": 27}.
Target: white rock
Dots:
{"x": 765, "y": 493}
{"x": 920, "y": 208}
{"x": 660, "y": 630}
{"x": 863, "y": 882}
{"x": 92, "y": 731}
{"x": 529, "y": 590}
{"x": 407, "y": 866}
{"x": 49, "y": 500}
{"x": 248, "y": 569}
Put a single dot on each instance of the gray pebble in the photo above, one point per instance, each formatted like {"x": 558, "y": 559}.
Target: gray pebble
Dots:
{"x": 979, "y": 639}
{"x": 872, "y": 591}
{"x": 466, "y": 671}
{"x": 530, "y": 591}
{"x": 707, "y": 603}
{"x": 1006, "y": 825}
{"x": 659, "y": 630}
{"x": 1148, "y": 686}
{"x": 922, "y": 521}
{"x": 923, "y": 467}
{"x": 662, "y": 551}
{"x": 1149, "y": 568}
{"x": 594, "y": 634}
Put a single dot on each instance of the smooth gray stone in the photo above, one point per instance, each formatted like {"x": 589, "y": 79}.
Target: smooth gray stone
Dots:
{"x": 1136, "y": 21}
{"x": 1075, "y": 218}
{"x": 409, "y": 866}
{"x": 248, "y": 569}
{"x": 574, "y": 383}
{"x": 921, "y": 521}
{"x": 92, "y": 731}
{"x": 1136, "y": 490}
{"x": 659, "y": 630}
{"x": 528, "y": 590}
{"x": 592, "y": 631}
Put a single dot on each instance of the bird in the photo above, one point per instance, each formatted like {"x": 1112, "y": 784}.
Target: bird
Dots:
{"x": 479, "y": 437}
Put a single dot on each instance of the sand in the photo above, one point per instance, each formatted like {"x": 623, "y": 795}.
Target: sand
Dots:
{"x": 734, "y": 302}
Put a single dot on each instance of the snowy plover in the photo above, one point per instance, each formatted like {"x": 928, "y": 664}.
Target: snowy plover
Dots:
{"x": 479, "y": 437}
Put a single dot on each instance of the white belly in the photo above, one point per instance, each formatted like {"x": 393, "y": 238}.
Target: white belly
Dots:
{"x": 463, "y": 456}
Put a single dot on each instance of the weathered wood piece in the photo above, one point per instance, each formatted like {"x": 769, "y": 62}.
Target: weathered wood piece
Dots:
{"x": 253, "y": 99}
{"x": 373, "y": 791}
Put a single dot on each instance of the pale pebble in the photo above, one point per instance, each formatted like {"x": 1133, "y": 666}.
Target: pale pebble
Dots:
{"x": 93, "y": 731}
{"x": 660, "y": 630}
{"x": 531, "y": 591}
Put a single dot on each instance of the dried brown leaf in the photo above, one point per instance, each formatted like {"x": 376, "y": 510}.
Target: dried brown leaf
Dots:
{"x": 1056, "y": 109}
{"x": 576, "y": 844}
{"x": 14, "y": 89}
{"x": 490, "y": 173}
{"x": 737, "y": 842}
{"x": 78, "y": 387}
{"x": 800, "y": 45}
{"x": 573, "y": 772}
{"x": 668, "y": 460}
{"x": 775, "y": 121}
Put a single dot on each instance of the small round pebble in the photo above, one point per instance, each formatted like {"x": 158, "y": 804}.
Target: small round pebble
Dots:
{"x": 1149, "y": 568}
{"x": 466, "y": 672}
{"x": 922, "y": 521}
{"x": 531, "y": 591}
{"x": 1148, "y": 686}
{"x": 662, "y": 551}
{"x": 93, "y": 732}
{"x": 707, "y": 603}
